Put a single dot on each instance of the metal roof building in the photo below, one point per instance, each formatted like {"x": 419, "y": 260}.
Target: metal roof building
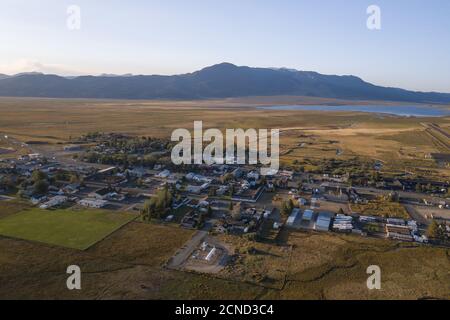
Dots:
{"x": 308, "y": 215}
{"x": 323, "y": 221}
{"x": 293, "y": 217}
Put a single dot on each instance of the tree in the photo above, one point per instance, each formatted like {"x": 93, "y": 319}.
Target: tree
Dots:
{"x": 236, "y": 211}
{"x": 21, "y": 193}
{"x": 418, "y": 187}
{"x": 40, "y": 187}
{"x": 38, "y": 175}
{"x": 393, "y": 197}
{"x": 148, "y": 210}
{"x": 157, "y": 206}
{"x": 350, "y": 182}
{"x": 231, "y": 190}
{"x": 212, "y": 192}
{"x": 291, "y": 204}
{"x": 287, "y": 207}
{"x": 436, "y": 231}
{"x": 227, "y": 177}
{"x": 74, "y": 178}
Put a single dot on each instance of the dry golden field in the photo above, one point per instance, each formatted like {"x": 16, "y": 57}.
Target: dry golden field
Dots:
{"x": 402, "y": 143}
{"x": 129, "y": 265}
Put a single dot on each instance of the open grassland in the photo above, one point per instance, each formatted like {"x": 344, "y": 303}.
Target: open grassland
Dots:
{"x": 326, "y": 266}
{"x": 8, "y": 149}
{"x": 127, "y": 262}
{"x": 381, "y": 208}
{"x": 56, "y": 120}
{"x": 126, "y": 265}
{"x": 401, "y": 142}
{"x": 321, "y": 266}
{"x": 143, "y": 243}
{"x": 78, "y": 229}
{"x": 10, "y": 207}
{"x": 256, "y": 262}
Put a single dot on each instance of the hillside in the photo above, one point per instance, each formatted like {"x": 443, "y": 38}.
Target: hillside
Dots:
{"x": 219, "y": 81}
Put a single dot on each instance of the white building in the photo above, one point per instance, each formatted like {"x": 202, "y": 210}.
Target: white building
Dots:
{"x": 253, "y": 175}
{"x": 92, "y": 203}
{"x": 53, "y": 202}
{"x": 163, "y": 174}
{"x": 293, "y": 217}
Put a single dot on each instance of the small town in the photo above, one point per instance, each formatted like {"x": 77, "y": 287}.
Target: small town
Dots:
{"x": 121, "y": 173}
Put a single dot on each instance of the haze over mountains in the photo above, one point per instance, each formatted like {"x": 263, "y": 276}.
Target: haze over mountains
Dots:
{"x": 223, "y": 80}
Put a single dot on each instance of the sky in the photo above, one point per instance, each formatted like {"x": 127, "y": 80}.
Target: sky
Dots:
{"x": 411, "y": 50}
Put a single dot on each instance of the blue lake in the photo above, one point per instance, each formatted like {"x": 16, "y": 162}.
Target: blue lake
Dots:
{"x": 399, "y": 110}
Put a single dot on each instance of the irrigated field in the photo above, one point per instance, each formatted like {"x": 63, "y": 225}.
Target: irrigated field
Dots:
{"x": 78, "y": 229}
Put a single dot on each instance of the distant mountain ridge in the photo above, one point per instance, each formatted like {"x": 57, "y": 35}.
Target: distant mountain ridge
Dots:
{"x": 223, "y": 80}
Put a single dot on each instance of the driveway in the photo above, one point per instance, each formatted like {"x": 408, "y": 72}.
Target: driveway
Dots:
{"x": 183, "y": 253}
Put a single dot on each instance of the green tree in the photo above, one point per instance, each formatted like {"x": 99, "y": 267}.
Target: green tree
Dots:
{"x": 210, "y": 211}
{"x": 158, "y": 205}
{"x": 38, "y": 175}
{"x": 148, "y": 210}
{"x": 40, "y": 187}
{"x": 212, "y": 192}
{"x": 287, "y": 207}
{"x": 418, "y": 187}
{"x": 227, "y": 177}
{"x": 21, "y": 193}
{"x": 291, "y": 204}
{"x": 236, "y": 211}
{"x": 74, "y": 178}
{"x": 436, "y": 231}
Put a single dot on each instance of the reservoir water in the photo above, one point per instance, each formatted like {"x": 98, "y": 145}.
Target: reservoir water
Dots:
{"x": 399, "y": 110}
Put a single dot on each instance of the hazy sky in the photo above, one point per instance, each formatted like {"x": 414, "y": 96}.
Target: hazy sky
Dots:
{"x": 412, "y": 49}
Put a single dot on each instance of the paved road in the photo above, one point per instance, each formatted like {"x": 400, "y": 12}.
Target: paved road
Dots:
{"x": 416, "y": 215}
{"x": 402, "y": 194}
{"x": 180, "y": 257}
{"x": 95, "y": 184}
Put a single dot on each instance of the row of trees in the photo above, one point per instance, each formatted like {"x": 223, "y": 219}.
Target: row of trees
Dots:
{"x": 437, "y": 231}
{"x": 120, "y": 159}
{"x": 157, "y": 206}
{"x": 286, "y": 207}
{"x": 40, "y": 181}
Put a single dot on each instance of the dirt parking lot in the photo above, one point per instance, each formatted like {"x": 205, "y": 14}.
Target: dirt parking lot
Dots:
{"x": 434, "y": 212}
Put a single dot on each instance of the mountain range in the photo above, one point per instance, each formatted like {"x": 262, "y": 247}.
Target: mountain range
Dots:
{"x": 223, "y": 80}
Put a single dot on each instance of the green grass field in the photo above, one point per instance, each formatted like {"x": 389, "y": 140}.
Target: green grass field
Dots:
{"x": 67, "y": 228}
